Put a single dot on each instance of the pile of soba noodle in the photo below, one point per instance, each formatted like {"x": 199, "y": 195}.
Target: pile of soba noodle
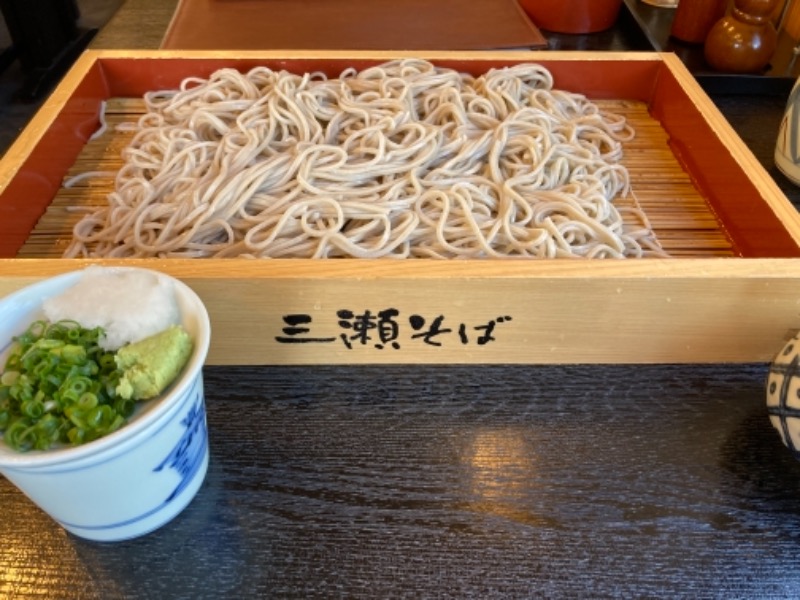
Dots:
{"x": 399, "y": 160}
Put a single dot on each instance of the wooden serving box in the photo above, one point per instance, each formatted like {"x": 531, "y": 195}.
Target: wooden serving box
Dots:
{"x": 730, "y": 292}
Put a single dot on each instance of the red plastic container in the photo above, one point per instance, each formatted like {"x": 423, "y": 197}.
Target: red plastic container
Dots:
{"x": 572, "y": 16}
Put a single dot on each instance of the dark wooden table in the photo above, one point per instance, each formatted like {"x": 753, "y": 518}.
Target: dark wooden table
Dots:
{"x": 573, "y": 481}
{"x": 453, "y": 482}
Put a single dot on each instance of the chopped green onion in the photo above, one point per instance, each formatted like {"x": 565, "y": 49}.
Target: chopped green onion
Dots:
{"x": 58, "y": 387}
{"x": 32, "y": 408}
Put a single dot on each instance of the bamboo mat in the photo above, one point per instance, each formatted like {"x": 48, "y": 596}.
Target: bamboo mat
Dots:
{"x": 679, "y": 215}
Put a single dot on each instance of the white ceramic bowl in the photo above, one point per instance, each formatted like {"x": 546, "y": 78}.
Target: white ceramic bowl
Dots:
{"x": 138, "y": 478}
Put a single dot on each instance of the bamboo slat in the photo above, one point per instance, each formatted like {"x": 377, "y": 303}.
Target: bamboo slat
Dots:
{"x": 662, "y": 189}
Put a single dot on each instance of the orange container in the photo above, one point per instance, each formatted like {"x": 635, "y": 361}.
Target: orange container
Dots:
{"x": 572, "y": 16}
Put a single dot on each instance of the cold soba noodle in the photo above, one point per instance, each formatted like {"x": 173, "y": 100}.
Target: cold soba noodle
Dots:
{"x": 399, "y": 160}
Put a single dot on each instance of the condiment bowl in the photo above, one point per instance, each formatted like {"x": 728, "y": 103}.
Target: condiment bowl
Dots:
{"x": 572, "y": 16}
{"x": 137, "y": 478}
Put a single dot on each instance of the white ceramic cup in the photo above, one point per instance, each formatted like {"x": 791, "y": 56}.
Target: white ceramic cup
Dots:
{"x": 787, "y": 146}
{"x": 138, "y": 478}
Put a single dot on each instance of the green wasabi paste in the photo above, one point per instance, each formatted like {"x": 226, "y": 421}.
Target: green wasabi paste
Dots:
{"x": 150, "y": 365}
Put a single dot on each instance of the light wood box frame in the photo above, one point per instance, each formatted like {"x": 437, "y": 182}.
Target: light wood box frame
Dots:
{"x": 737, "y": 309}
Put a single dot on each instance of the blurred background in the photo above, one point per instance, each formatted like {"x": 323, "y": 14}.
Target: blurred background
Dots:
{"x": 64, "y": 28}
{"x": 25, "y": 80}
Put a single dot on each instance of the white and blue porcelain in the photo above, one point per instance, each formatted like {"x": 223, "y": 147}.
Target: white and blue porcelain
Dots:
{"x": 138, "y": 478}
{"x": 783, "y": 394}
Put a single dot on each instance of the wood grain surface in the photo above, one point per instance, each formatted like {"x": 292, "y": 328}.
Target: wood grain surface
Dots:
{"x": 519, "y": 482}
{"x": 138, "y": 24}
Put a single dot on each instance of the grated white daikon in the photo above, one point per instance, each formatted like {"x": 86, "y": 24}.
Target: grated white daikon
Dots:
{"x": 129, "y": 304}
